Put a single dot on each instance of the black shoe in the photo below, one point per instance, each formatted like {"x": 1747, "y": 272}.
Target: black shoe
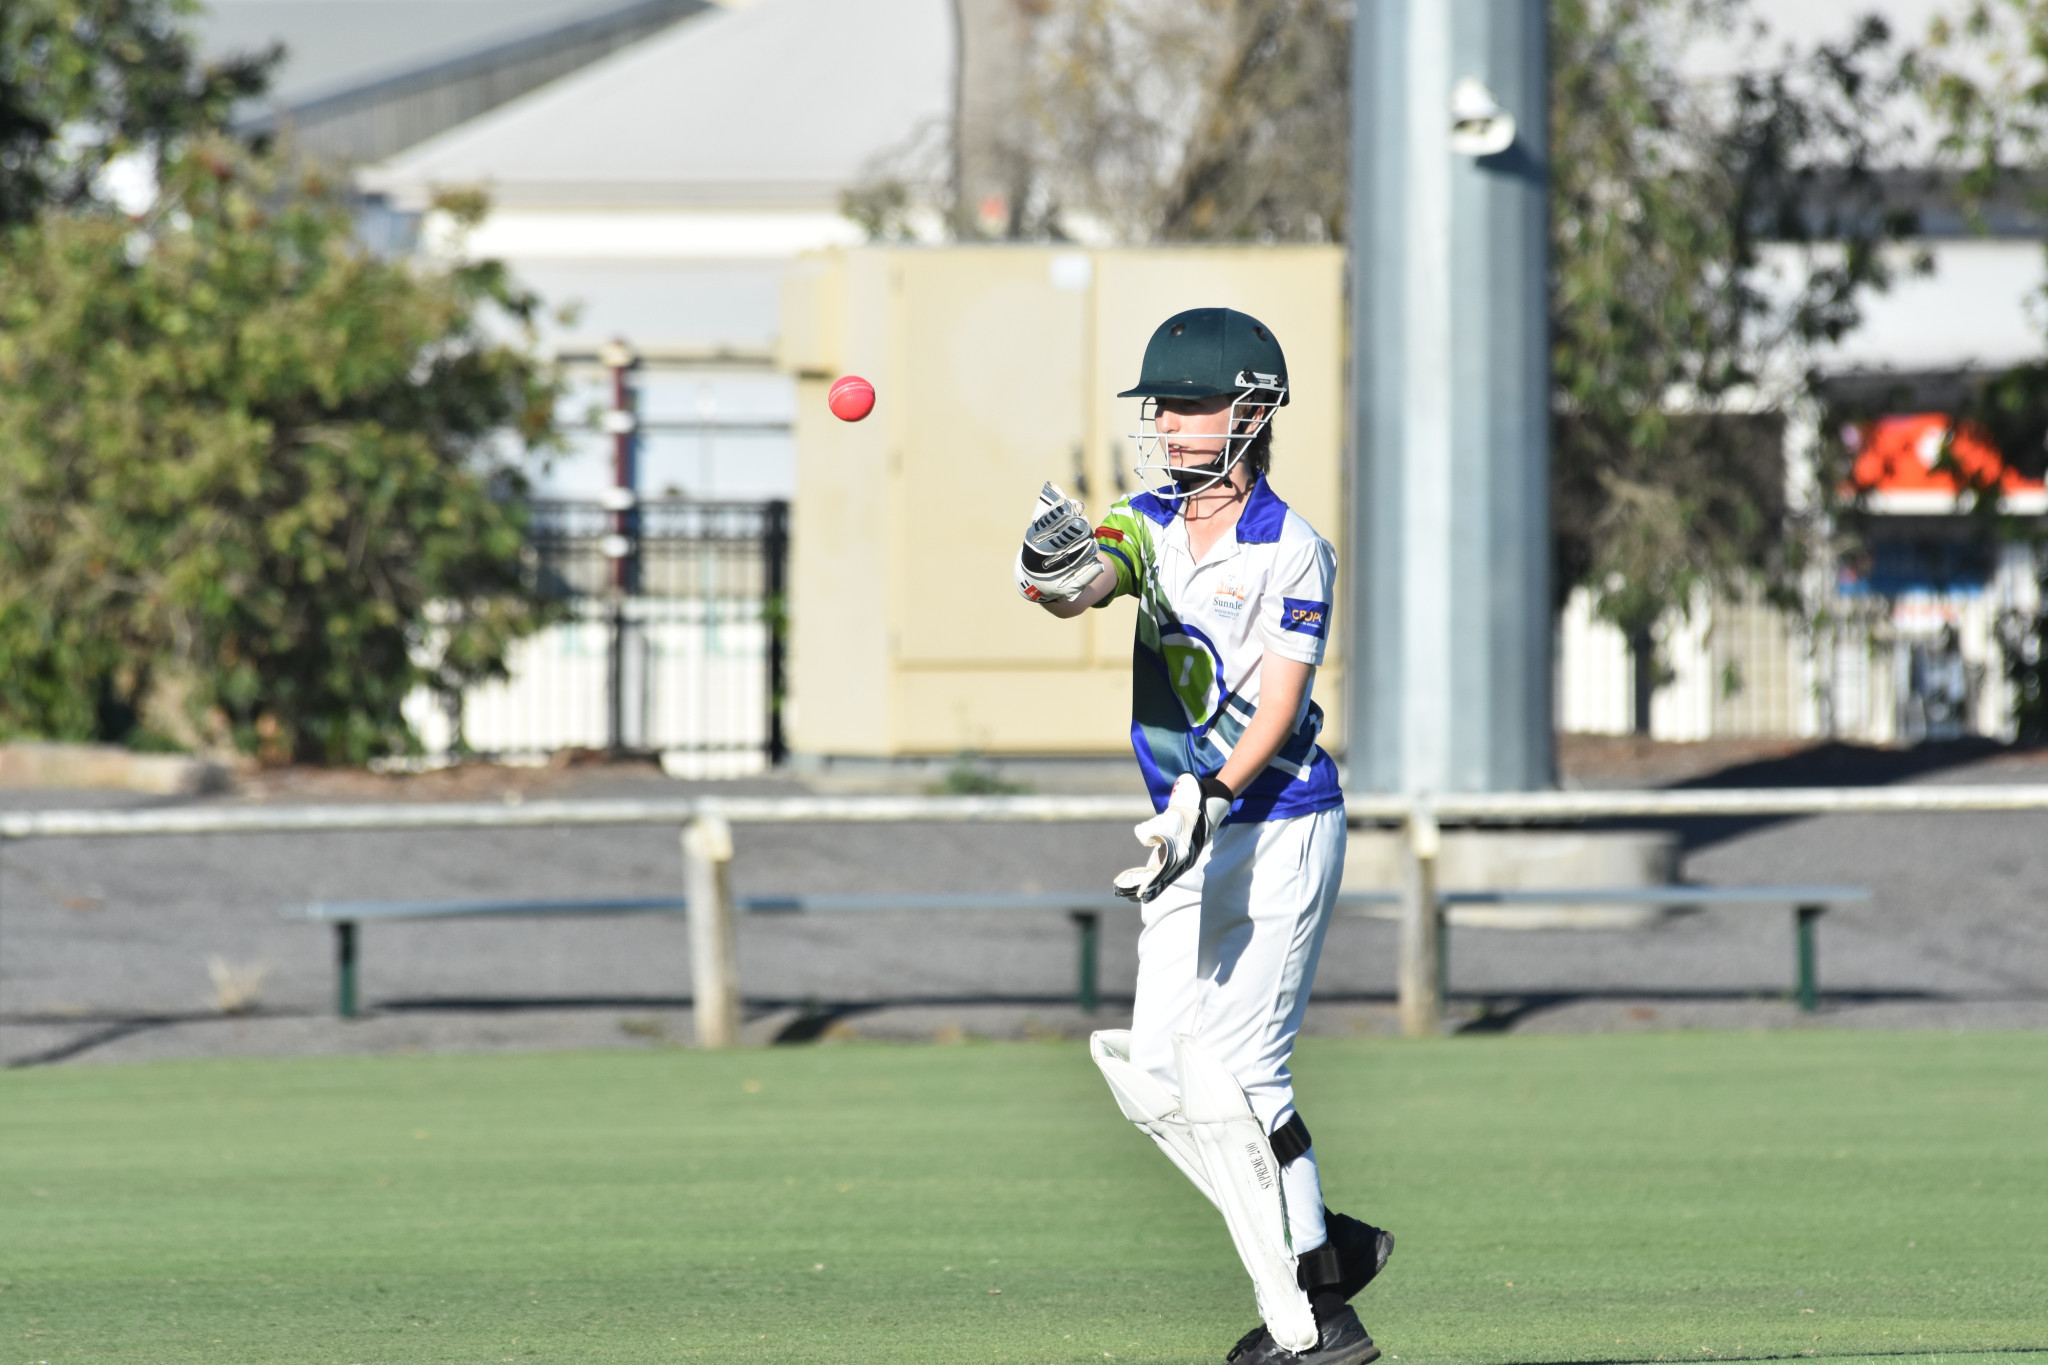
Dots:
{"x": 1341, "y": 1340}
{"x": 1361, "y": 1252}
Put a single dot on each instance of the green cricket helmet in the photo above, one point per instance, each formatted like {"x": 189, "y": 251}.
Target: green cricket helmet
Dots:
{"x": 1200, "y": 354}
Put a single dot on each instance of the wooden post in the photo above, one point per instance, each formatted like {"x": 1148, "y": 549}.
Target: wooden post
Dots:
{"x": 714, "y": 971}
{"x": 1422, "y": 1006}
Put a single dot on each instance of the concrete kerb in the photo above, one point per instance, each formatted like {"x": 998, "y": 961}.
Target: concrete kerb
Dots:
{"x": 39, "y": 764}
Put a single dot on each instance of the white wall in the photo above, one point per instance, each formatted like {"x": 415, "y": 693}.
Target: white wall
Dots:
{"x": 1595, "y": 676}
{"x": 1746, "y": 669}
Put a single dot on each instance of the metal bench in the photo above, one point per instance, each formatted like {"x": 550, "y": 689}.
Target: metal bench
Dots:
{"x": 347, "y": 917}
{"x": 1808, "y": 904}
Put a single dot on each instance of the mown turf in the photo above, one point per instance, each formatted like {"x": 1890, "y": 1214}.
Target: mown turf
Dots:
{"x": 1557, "y": 1199}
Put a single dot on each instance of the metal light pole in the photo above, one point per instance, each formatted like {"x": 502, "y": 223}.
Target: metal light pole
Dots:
{"x": 622, "y": 545}
{"x": 1450, "y": 566}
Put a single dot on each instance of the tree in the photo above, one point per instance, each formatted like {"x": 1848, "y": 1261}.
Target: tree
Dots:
{"x": 1673, "y": 358}
{"x": 1984, "y": 76}
{"x": 255, "y": 484}
{"x": 85, "y": 82}
{"x": 1210, "y": 120}
{"x": 1136, "y": 121}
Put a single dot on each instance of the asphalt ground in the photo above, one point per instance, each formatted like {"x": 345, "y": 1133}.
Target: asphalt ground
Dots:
{"x": 105, "y": 944}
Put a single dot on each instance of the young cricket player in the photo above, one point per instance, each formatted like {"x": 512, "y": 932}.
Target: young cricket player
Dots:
{"x": 1234, "y": 591}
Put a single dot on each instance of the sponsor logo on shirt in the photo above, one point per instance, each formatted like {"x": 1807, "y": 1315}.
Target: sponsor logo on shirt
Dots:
{"x": 1310, "y": 618}
{"x": 1229, "y": 600}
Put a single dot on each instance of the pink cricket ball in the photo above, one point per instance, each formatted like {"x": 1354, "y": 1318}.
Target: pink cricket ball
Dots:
{"x": 851, "y": 399}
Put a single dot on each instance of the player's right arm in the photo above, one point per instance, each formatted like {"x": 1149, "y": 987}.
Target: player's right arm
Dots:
{"x": 1096, "y": 592}
{"x": 1058, "y": 565}
{"x": 1066, "y": 566}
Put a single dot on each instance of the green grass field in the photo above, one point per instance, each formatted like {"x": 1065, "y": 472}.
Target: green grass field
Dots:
{"x": 1637, "y": 1198}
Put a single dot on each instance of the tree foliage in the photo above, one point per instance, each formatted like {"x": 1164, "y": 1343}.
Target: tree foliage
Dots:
{"x": 1706, "y": 240}
{"x": 1984, "y": 76}
{"x": 2023, "y": 647}
{"x": 1983, "y": 73}
{"x": 253, "y": 479}
{"x": 83, "y": 82}
{"x": 1150, "y": 120}
{"x": 1195, "y": 120}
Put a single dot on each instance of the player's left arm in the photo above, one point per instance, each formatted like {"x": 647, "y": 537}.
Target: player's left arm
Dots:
{"x": 1294, "y": 626}
{"x": 1198, "y": 805}
{"x": 1283, "y": 684}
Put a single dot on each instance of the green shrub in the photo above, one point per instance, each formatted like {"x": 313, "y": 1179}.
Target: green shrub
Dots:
{"x": 241, "y": 459}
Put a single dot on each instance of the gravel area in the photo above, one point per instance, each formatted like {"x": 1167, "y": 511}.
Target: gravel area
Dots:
{"x": 105, "y": 944}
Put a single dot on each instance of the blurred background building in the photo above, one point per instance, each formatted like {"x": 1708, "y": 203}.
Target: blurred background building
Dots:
{"x": 365, "y": 79}
{"x": 659, "y": 172}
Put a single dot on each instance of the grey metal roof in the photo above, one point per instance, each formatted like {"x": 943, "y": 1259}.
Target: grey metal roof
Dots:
{"x": 784, "y": 102}
{"x": 337, "y": 45}
{"x": 362, "y": 79}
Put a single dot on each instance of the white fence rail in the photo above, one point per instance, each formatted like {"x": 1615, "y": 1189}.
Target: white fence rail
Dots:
{"x": 1450, "y": 808}
{"x": 1542, "y": 807}
{"x": 1444, "y": 809}
{"x": 504, "y": 814}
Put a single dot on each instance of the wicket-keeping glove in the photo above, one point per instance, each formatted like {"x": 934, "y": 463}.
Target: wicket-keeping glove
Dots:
{"x": 1058, "y": 558}
{"x": 1176, "y": 835}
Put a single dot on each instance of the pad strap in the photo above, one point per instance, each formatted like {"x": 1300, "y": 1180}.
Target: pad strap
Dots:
{"x": 1319, "y": 1269}
{"x": 1290, "y": 1140}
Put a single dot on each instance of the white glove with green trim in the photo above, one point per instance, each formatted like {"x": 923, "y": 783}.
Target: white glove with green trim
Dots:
{"x": 1058, "y": 559}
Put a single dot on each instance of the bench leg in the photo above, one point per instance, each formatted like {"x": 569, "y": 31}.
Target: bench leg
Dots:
{"x": 1088, "y": 924}
{"x": 1443, "y": 956}
{"x": 345, "y": 969}
{"x": 1804, "y": 918}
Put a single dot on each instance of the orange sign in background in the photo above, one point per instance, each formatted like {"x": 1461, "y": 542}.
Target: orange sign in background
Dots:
{"x": 1898, "y": 455}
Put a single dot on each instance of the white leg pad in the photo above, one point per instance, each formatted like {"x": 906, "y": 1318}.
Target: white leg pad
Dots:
{"x": 1244, "y": 1181}
{"x": 1149, "y": 1104}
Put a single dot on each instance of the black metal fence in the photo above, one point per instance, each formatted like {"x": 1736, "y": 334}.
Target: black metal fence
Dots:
{"x": 723, "y": 551}
{"x": 674, "y": 638}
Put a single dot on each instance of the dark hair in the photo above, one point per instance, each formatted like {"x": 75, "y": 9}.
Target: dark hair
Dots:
{"x": 1258, "y": 452}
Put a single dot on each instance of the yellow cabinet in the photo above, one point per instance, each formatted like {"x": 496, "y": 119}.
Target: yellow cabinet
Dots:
{"x": 995, "y": 369}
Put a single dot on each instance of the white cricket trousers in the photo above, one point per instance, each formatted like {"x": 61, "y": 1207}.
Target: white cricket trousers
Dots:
{"x": 1227, "y": 955}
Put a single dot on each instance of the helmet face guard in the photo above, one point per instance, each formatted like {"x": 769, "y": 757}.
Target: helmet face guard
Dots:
{"x": 1159, "y": 476}
{"x": 1202, "y": 355}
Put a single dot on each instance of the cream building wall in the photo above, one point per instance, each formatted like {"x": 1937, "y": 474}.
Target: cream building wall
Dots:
{"x": 996, "y": 369}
